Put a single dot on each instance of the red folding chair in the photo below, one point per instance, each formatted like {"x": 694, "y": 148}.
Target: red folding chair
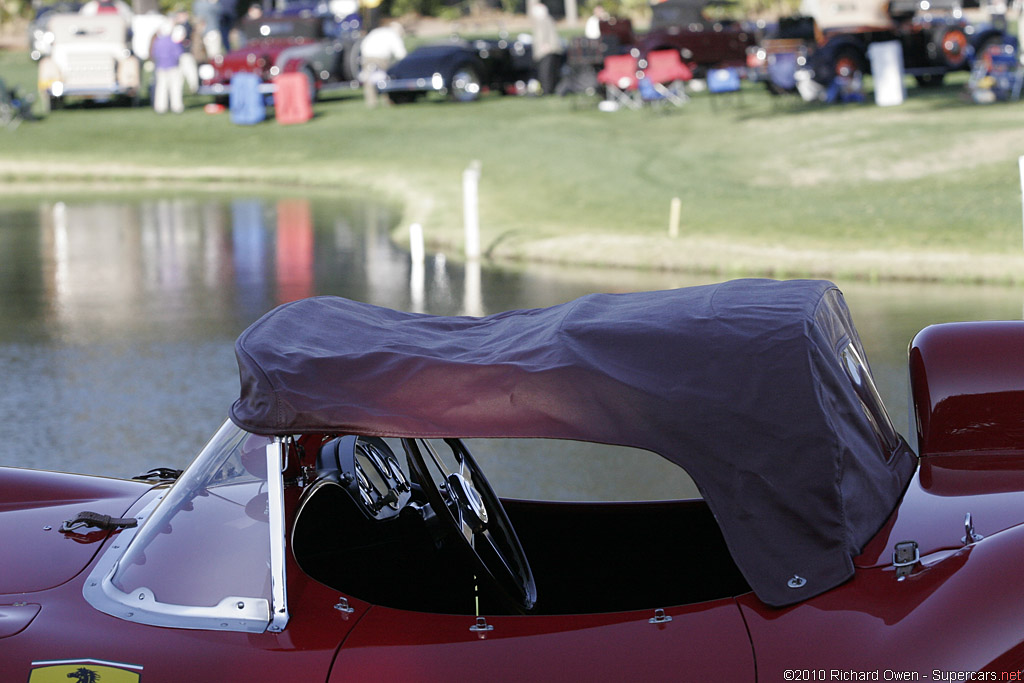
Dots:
{"x": 666, "y": 76}
{"x": 619, "y": 78}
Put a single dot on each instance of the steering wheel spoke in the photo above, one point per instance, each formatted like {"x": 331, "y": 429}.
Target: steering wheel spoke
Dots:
{"x": 463, "y": 499}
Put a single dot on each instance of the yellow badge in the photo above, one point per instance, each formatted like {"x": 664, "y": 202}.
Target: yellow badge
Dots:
{"x": 84, "y": 671}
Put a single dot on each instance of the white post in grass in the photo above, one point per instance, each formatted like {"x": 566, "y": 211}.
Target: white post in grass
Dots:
{"x": 471, "y": 210}
{"x": 673, "y": 217}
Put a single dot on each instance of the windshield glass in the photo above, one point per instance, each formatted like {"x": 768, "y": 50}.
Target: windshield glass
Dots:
{"x": 219, "y": 503}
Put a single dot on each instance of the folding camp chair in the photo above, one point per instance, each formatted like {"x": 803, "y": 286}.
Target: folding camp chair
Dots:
{"x": 723, "y": 82}
{"x": 619, "y": 78}
{"x": 14, "y": 108}
{"x": 664, "y": 78}
{"x": 996, "y": 75}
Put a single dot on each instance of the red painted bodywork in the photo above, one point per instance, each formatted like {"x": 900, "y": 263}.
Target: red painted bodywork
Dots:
{"x": 967, "y": 381}
{"x": 957, "y": 611}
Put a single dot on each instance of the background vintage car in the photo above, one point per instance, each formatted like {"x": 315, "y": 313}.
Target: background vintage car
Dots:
{"x": 462, "y": 70}
{"x": 823, "y": 543}
{"x": 935, "y": 37}
{"x": 90, "y": 58}
{"x": 318, "y": 46}
{"x": 703, "y": 39}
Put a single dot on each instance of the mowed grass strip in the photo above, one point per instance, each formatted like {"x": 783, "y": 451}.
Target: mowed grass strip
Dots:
{"x": 926, "y": 190}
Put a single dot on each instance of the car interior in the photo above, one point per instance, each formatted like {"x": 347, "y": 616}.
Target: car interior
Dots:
{"x": 371, "y": 529}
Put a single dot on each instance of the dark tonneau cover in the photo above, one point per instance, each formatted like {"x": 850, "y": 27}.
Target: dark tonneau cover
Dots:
{"x": 739, "y": 383}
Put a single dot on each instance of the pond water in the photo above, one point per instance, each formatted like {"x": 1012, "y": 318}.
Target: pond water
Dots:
{"x": 119, "y": 316}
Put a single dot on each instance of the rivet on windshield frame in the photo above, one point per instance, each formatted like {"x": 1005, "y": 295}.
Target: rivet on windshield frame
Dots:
{"x": 797, "y": 582}
{"x": 47, "y": 528}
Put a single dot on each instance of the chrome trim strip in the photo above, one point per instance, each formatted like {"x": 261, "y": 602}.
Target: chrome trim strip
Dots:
{"x": 420, "y": 84}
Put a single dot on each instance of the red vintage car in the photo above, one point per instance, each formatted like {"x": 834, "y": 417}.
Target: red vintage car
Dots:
{"x": 700, "y": 31}
{"x": 338, "y": 526}
{"x": 320, "y": 47}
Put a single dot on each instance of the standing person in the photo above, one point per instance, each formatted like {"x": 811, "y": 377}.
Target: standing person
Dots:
{"x": 166, "y": 55}
{"x": 226, "y": 16}
{"x": 379, "y": 49}
{"x": 592, "y": 29}
{"x": 182, "y": 34}
{"x": 548, "y": 50}
{"x": 208, "y": 18}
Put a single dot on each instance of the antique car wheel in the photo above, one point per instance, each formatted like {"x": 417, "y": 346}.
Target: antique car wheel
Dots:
{"x": 465, "y": 503}
{"x": 465, "y": 84}
{"x": 952, "y": 48}
{"x": 847, "y": 63}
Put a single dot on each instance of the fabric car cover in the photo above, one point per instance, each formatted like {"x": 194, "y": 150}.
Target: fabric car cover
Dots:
{"x": 739, "y": 383}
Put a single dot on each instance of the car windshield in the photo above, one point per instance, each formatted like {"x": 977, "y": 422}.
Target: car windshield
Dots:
{"x": 220, "y": 502}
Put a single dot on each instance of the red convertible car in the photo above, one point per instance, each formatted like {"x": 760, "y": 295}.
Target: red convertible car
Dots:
{"x": 338, "y": 527}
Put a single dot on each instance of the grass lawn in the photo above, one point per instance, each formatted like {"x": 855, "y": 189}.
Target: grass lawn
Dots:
{"x": 926, "y": 190}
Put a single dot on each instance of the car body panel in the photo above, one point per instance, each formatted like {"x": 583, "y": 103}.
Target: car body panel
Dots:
{"x": 943, "y": 491}
{"x": 968, "y": 387}
{"x": 403, "y": 646}
{"x": 34, "y": 505}
{"x": 878, "y": 623}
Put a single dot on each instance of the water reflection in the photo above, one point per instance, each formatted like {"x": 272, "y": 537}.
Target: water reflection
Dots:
{"x": 119, "y": 313}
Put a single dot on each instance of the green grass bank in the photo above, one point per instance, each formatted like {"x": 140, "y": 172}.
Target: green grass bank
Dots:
{"x": 929, "y": 190}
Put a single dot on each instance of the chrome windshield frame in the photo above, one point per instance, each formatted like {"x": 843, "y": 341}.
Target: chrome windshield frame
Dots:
{"x": 275, "y": 499}
{"x": 239, "y": 613}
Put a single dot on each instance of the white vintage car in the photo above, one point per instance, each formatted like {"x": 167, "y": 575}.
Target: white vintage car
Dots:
{"x": 91, "y": 58}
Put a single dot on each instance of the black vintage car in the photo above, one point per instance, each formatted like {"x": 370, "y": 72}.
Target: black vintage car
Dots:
{"x": 935, "y": 38}
{"x": 462, "y": 70}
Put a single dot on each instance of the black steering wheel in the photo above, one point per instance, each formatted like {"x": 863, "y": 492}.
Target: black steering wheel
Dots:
{"x": 465, "y": 503}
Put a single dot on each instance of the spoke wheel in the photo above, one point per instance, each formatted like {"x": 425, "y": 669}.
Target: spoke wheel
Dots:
{"x": 462, "y": 499}
{"x": 465, "y": 85}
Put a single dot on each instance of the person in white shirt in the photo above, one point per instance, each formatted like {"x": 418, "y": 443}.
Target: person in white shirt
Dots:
{"x": 379, "y": 49}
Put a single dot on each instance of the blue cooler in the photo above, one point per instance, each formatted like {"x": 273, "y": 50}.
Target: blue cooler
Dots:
{"x": 247, "y": 107}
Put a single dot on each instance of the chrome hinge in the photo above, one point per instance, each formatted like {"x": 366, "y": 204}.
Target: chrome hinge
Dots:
{"x": 905, "y": 557}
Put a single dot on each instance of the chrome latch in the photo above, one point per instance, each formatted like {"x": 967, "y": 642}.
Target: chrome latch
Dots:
{"x": 905, "y": 557}
{"x": 343, "y": 606}
{"x": 969, "y": 534}
{"x": 481, "y": 627}
{"x": 659, "y": 617}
